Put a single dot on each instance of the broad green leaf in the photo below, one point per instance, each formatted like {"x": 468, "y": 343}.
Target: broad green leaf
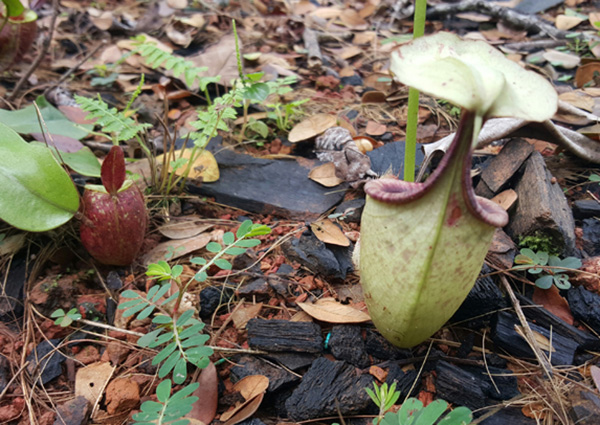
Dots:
{"x": 544, "y": 282}
{"x": 243, "y": 229}
{"x": 257, "y": 92}
{"x": 213, "y": 247}
{"x": 25, "y": 121}
{"x": 147, "y": 339}
{"x": 83, "y": 161}
{"x": 432, "y": 412}
{"x": 164, "y": 353}
{"x": 182, "y": 320}
{"x": 562, "y": 281}
{"x": 168, "y": 365}
{"x": 570, "y": 263}
{"x": 180, "y": 371}
{"x": 459, "y": 416}
{"x": 223, "y": 264}
{"x": 248, "y": 243}
{"x": 145, "y": 313}
{"x": 228, "y": 238}
{"x": 37, "y": 194}
{"x": 235, "y": 251}
{"x": 163, "y": 391}
{"x": 128, "y": 293}
{"x": 198, "y": 260}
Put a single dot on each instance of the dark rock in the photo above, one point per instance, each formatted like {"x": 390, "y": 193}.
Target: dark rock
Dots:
{"x": 285, "y": 269}
{"x": 460, "y": 387}
{"x": 73, "y": 412}
{"x": 542, "y": 208}
{"x": 283, "y": 335}
{"x": 313, "y": 254}
{"x": 531, "y": 7}
{"x": 586, "y": 208}
{"x": 113, "y": 281}
{"x": 343, "y": 255}
{"x": 483, "y": 299}
{"x": 353, "y": 80}
{"x": 278, "y": 376}
{"x": 584, "y": 407}
{"x": 496, "y": 176}
{"x": 256, "y": 287}
{"x": 43, "y": 366}
{"x": 211, "y": 298}
{"x": 507, "y": 416}
{"x": 293, "y": 361}
{"x": 351, "y": 211}
{"x": 591, "y": 236}
{"x": 585, "y": 306}
{"x": 266, "y": 186}
{"x": 404, "y": 380}
{"x": 506, "y": 337}
{"x": 390, "y": 158}
{"x": 11, "y": 292}
{"x": 329, "y": 388}
{"x": 381, "y": 348}
{"x": 346, "y": 344}
{"x": 279, "y": 284}
{"x": 386, "y": 137}
{"x": 248, "y": 260}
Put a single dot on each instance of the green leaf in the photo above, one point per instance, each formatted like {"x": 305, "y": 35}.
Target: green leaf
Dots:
{"x": 258, "y": 230}
{"x": 198, "y": 260}
{"x": 201, "y": 276}
{"x": 162, "y": 319}
{"x": 213, "y": 247}
{"x": 169, "y": 364}
{"x": 561, "y": 281}
{"x": 163, "y": 391}
{"x": 182, "y": 320}
{"x": 248, "y": 243}
{"x": 243, "y": 229}
{"x": 257, "y": 92}
{"x": 432, "y": 412}
{"x": 128, "y": 293}
{"x": 570, "y": 263}
{"x": 37, "y": 194}
{"x": 25, "y": 121}
{"x": 180, "y": 371}
{"x": 13, "y": 7}
{"x": 259, "y": 128}
{"x": 458, "y": 416}
{"x": 223, "y": 264}
{"x": 164, "y": 353}
{"x": 176, "y": 271}
{"x": 544, "y": 282}
{"x": 83, "y": 161}
{"x": 235, "y": 251}
{"x": 58, "y": 313}
{"x": 147, "y": 339}
{"x": 228, "y": 238}
{"x": 594, "y": 178}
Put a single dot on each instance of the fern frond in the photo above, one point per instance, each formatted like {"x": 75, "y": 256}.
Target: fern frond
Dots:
{"x": 112, "y": 121}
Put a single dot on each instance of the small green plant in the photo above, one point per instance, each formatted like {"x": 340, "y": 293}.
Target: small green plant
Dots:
{"x": 550, "y": 268}
{"x": 594, "y": 178}
{"x": 412, "y": 411}
{"x": 169, "y": 409}
{"x": 65, "y": 319}
{"x": 539, "y": 242}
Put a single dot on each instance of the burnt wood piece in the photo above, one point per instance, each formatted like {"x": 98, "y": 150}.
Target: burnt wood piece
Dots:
{"x": 591, "y": 236}
{"x": 542, "y": 208}
{"x": 483, "y": 299}
{"x": 283, "y": 335}
{"x": 585, "y": 407}
{"x": 496, "y": 176}
{"x": 508, "y": 416}
{"x": 379, "y": 347}
{"x": 326, "y": 387}
{"x": 278, "y": 376}
{"x": 506, "y": 337}
{"x": 544, "y": 318}
{"x": 293, "y": 361}
{"x": 346, "y": 344}
{"x": 404, "y": 380}
{"x": 585, "y": 306}
{"x": 505, "y": 382}
{"x": 459, "y": 387}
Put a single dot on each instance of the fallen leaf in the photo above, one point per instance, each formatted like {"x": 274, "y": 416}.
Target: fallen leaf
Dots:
{"x": 220, "y": 59}
{"x": 205, "y": 166}
{"x": 327, "y": 231}
{"x": 331, "y": 311}
{"x": 12, "y": 244}
{"x": 311, "y": 127}
{"x": 182, "y": 229}
{"x": 595, "y": 372}
{"x": 102, "y": 20}
{"x": 244, "y": 411}
{"x": 586, "y": 73}
{"x": 578, "y": 98}
{"x": 177, "y": 4}
{"x": 205, "y": 409}
{"x": 374, "y": 96}
{"x": 562, "y": 59}
{"x": 506, "y": 199}
{"x": 565, "y": 23}
{"x": 178, "y": 248}
{"x": 253, "y": 389}
{"x": 91, "y": 380}
{"x": 251, "y": 386}
{"x": 375, "y": 129}
{"x": 552, "y": 301}
{"x": 241, "y": 316}
{"x": 325, "y": 175}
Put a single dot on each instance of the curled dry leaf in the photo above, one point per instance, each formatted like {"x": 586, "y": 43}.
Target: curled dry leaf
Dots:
{"x": 241, "y": 316}
{"x": 327, "y": 231}
{"x": 311, "y": 127}
{"x": 253, "y": 389}
{"x": 178, "y": 248}
{"x": 182, "y": 229}
{"x": 331, "y": 311}
{"x": 325, "y": 175}
{"x": 205, "y": 409}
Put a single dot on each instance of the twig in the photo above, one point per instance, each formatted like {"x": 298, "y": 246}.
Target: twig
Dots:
{"x": 528, "y": 22}
{"x": 41, "y": 55}
{"x": 541, "y": 357}
{"x": 315, "y": 58}
{"x": 75, "y": 67}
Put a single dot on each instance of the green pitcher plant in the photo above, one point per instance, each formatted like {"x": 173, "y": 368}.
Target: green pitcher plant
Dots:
{"x": 423, "y": 244}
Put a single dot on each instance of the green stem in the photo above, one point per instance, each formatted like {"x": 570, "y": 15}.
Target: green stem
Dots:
{"x": 413, "y": 101}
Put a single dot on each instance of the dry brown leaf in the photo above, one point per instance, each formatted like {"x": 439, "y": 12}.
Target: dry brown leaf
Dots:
{"x": 562, "y": 59}
{"x": 303, "y": 7}
{"x": 327, "y": 231}
{"x": 241, "y": 316}
{"x": 205, "y": 166}
{"x": 311, "y": 127}
{"x": 552, "y": 301}
{"x": 196, "y": 20}
{"x": 374, "y": 96}
{"x": 178, "y": 37}
{"x": 177, "y": 4}
{"x": 244, "y": 411}
{"x": 111, "y": 54}
{"x": 506, "y": 199}
{"x": 179, "y": 248}
{"x": 349, "y": 52}
{"x": 587, "y": 73}
{"x": 325, "y": 175}
{"x": 352, "y": 19}
{"x": 91, "y": 380}
{"x": 253, "y": 389}
{"x": 251, "y": 386}
{"x": 331, "y": 311}
{"x": 375, "y": 128}
{"x": 102, "y": 20}
{"x": 220, "y": 60}
{"x": 12, "y": 244}
{"x": 593, "y": 131}
{"x": 579, "y": 99}
{"x": 327, "y": 12}
{"x": 182, "y": 229}
{"x": 565, "y": 23}
{"x": 255, "y": 115}
{"x": 205, "y": 409}
{"x": 595, "y": 372}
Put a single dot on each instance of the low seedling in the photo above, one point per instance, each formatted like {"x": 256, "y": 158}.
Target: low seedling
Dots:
{"x": 552, "y": 269}
{"x": 412, "y": 411}
{"x": 65, "y": 319}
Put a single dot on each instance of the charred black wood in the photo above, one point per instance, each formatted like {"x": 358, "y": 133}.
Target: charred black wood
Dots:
{"x": 585, "y": 307}
{"x": 346, "y": 344}
{"x": 278, "y": 376}
{"x": 283, "y": 335}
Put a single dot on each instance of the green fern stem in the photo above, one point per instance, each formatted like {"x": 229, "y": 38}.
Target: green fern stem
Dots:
{"x": 410, "y": 148}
